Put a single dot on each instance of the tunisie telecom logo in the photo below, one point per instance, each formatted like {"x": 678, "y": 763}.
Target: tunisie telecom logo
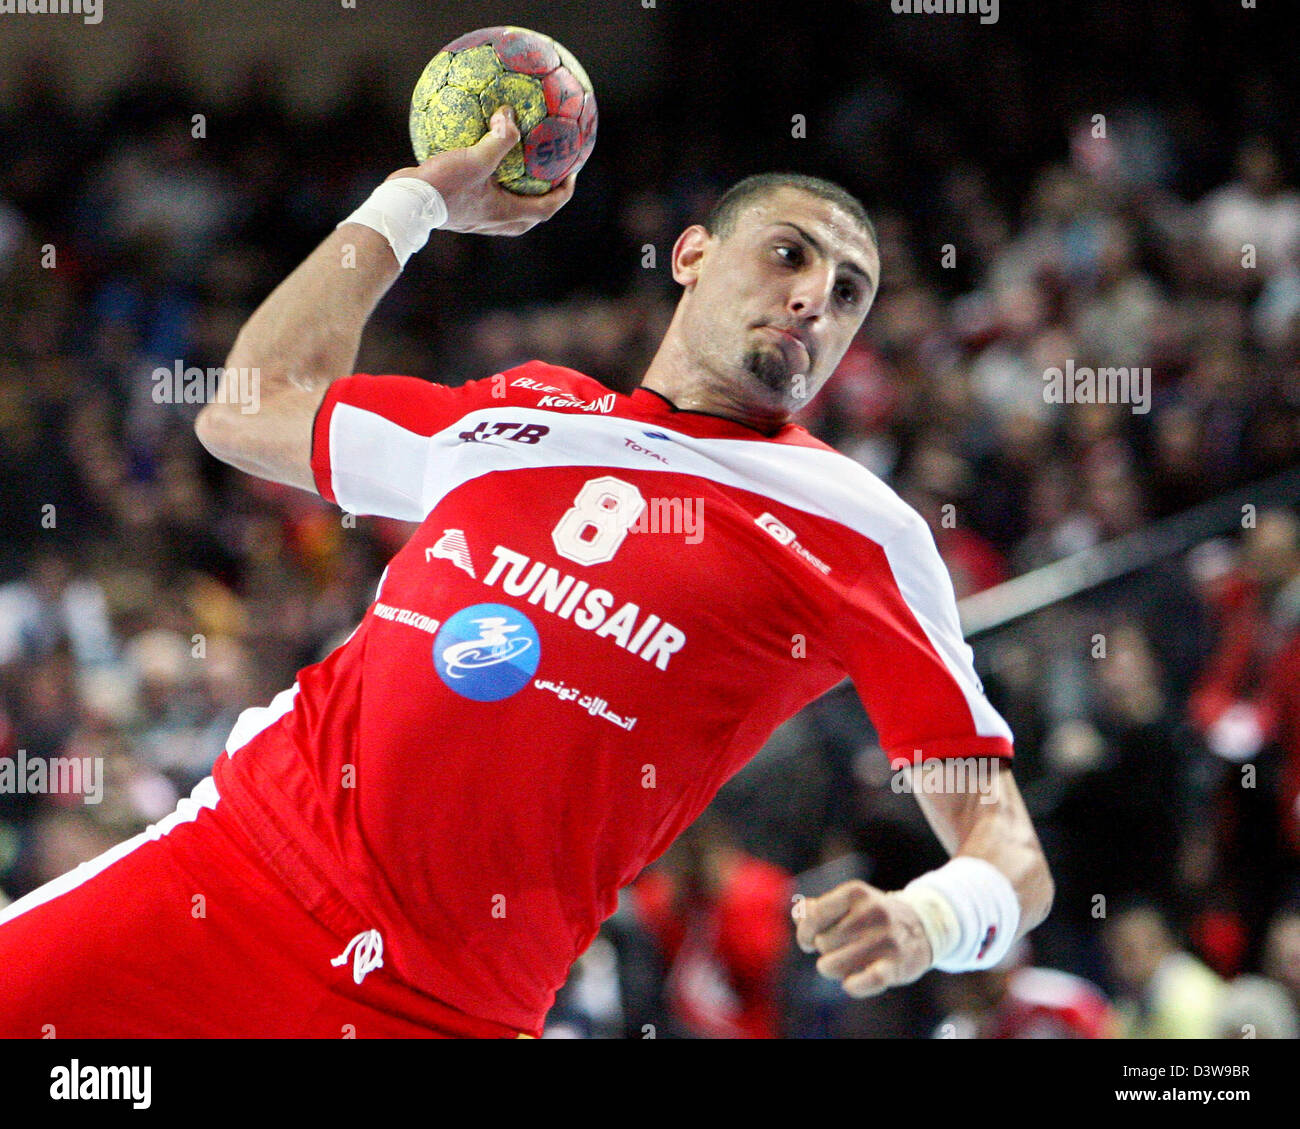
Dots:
{"x": 486, "y": 652}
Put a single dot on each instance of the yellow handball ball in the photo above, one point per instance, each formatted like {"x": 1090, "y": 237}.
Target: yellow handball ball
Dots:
{"x": 469, "y": 79}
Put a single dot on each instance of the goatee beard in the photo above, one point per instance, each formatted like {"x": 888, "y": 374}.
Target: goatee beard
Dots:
{"x": 770, "y": 369}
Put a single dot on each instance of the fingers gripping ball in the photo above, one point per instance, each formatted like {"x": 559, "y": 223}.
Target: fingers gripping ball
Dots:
{"x": 468, "y": 79}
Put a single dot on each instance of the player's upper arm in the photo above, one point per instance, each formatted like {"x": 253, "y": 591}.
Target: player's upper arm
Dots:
{"x": 361, "y": 441}
{"x": 902, "y": 645}
{"x": 373, "y": 438}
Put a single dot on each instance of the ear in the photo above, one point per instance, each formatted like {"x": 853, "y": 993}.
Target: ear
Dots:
{"x": 688, "y": 254}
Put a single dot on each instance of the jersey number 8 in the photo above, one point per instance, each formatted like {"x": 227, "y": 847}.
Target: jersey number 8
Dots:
{"x": 591, "y": 531}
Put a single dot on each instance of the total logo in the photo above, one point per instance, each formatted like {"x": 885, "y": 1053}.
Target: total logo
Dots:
{"x": 784, "y": 535}
{"x": 487, "y": 652}
{"x": 635, "y": 446}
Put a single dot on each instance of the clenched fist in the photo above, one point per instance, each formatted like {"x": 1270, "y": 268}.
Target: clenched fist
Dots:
{"x": 870, "y": 940}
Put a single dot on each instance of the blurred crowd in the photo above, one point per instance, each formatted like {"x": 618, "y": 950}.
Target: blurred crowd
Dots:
{"x": 148, "y": 594}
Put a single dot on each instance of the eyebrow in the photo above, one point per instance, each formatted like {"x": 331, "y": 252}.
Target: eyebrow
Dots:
{"x": 816, "y": 246}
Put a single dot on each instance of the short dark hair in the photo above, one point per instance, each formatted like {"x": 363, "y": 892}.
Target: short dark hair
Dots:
{"x": 721, "y": 221}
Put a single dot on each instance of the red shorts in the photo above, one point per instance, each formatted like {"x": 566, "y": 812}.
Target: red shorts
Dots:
{"x": 184, "y": 931}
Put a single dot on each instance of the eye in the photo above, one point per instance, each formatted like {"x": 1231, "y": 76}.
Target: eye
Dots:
{"x": 790, "y": 253}
{"x": 848, "y": 294}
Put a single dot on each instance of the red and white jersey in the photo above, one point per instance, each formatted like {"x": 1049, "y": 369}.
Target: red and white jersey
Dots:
{"x": 1039, "y": 1003}
{"x": 606, "y": 609}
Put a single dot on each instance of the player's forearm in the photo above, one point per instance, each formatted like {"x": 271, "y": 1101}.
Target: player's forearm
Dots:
{"x": 1012, "y": 847}
{"x": 307, "y": 332}
{"x": 303, "y": 337}
{"x": 963, "y": 916}
{"x": 1002, "y": 834}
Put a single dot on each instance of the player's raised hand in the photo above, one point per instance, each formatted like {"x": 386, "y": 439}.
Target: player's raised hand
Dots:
{"x": 868, "y": 939}
{"x": 477, "y": 203}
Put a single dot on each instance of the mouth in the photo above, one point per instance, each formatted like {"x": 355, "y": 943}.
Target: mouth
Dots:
{"x": 793, "y": 338}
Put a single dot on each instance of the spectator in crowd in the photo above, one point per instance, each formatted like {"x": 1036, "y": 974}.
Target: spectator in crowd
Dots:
{"x": 1018, "y": 1001}
{"x": 1282, "y": 953}
{"x": 51, "y": 606}
{"x": 1252, "y": 1007}
{"x": 1247, "y": 704}
{"x": 1164, "y": 991}
{"x": 721, "y": 919}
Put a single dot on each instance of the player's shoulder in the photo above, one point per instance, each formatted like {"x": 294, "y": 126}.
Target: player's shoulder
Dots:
{"x": 842, "y": 487}
{"x": 551, "y": 384}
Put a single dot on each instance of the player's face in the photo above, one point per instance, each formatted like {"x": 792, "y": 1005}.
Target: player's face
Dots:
{"x": 779, "y": 299}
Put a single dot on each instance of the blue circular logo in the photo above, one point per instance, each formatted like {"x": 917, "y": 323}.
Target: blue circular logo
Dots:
{"x": 487, "y": 652}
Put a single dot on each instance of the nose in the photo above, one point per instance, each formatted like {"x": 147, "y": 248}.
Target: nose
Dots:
{"x": 811, "y": 292}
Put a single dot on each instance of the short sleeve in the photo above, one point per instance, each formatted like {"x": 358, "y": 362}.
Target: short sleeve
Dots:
{"x": 370, "y": 439}
{"x": 902, "y": 646}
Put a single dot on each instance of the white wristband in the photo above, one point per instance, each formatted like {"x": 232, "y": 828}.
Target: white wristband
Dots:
{"x": 969, "y": 911}
{"x": 404, "y": 211}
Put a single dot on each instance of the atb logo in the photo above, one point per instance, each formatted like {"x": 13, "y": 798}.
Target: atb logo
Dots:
{"x": 487, "y": 652}
{"x": 778, "y": 529}
{"x": 516, "y": 432}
